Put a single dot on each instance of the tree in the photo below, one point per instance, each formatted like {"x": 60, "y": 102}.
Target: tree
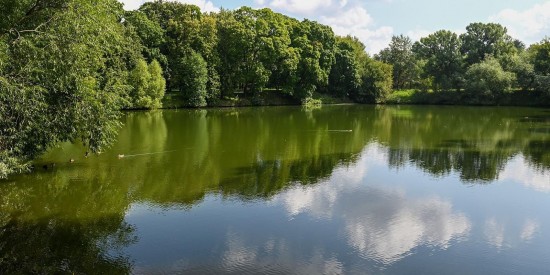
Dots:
{"x": 315, "y": 45}
{"x": 481, "y": 40}
{"x": 520, "y": 65}
{"x": 376, "y": 82}
{"x": 208, "y": 49}
{"x": 487, "y": 80}
{"x": 157, "y": 84}
{"x": 352, "y": 63}
{"x": 282, "y": 58}
{"x": 66, "y": 76}
{"x": 191, "y": 77}
{"x": 150, "y": 33}
{"x": 148, "y": 85}
{"x": 441, "y": 50}
{"x": 400, "y": 55}
{"x": 540, "y": 56}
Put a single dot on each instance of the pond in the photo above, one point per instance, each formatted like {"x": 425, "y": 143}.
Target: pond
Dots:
{"x": 348, "y": 189}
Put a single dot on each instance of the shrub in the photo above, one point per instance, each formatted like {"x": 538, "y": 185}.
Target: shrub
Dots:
{"x": 487, "y": 80}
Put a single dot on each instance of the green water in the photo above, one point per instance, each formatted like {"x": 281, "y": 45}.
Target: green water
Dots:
{"x": 284, "y": 190}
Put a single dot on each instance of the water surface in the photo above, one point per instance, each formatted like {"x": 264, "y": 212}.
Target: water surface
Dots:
{"x": 337, "y": 190}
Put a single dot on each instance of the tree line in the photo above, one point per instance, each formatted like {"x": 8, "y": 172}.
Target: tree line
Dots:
{"x": 484, "y": 62}
{"x": 211, "y": 56}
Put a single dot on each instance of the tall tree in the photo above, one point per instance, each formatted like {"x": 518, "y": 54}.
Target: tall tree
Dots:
{"x": 150, "y": 33}
{"x": 441, "y": 50}
{"x": 192, "y": 79}
{"x": 315, "y": 44}
{"x": 148, "y": 85}
{"x": 540, "y": 56}
{"x": 346, "y": 74}
{"x": 376, "y": 82}
{"x": 400, "y": 55}
{"x": 481, "y": 40}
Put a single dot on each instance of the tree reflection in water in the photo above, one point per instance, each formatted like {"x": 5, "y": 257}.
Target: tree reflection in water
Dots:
{"x": 72, "y": 219}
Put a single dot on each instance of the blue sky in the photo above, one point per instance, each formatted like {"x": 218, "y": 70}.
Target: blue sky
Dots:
{"x": 375, "y": 21}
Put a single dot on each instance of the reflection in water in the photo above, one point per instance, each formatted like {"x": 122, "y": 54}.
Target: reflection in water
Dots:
{"x": 240, "y": 258}
{"x": 382, "y": 224}
{"x": 530, "y": 228}
{"x": 494, "y": 232}
{"x": 388, "y": 236}
{"x": 516, "y": 170}
{"x": 55, "y": 247}
{"x": 503, "y": 234}
{"x": 342, "y": 189}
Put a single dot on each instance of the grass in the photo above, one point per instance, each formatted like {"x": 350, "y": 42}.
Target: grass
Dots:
{"x": 514, "y": 98}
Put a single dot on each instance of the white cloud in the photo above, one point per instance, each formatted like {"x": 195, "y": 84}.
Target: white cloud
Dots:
{"x": 344, "y": 16}
{"x": 356, "y": 21}
{"x": 397, "y": 226}
{"x": 298, "y": 6}
{"x": 502, "y": 235}
{"x": 381, "y": 224}
{"x": 317, "y": 201}
{"x": 411, "y": 223}
{"x": 204, "y": 5}
{"x": 529, "y": 25}
{"x": 356, "y": 17}
{"x": 416, "y": 34}
{"x": 132, "y": 4}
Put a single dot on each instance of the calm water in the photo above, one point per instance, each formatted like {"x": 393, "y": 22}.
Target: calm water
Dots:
{"x": 338, "y": 190}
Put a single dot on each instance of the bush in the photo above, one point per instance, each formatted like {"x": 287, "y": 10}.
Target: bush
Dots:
{"x": 487, "y": 80}
{"x": 311, "y": 102}
{"x": 376, "y": 83}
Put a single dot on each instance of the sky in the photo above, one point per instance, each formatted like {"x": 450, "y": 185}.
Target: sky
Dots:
{"x": 374, "y": 22}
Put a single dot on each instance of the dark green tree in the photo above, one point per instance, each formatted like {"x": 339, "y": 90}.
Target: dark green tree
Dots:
{"x": 315, "y": 44}
{"x": 151, "y": 35}
{"x": 345, "y": 76}
{"x": 540, "y": 56}
{"x": 481, "y": 40}
{"x": 376, "y": 82}
{"x": 400, "y": 55}
{"x": 441, "y": 52}
{"x": 192, "y": 78}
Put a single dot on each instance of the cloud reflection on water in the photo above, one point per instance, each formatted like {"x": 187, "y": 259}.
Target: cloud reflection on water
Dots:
{"x": 517, "y": 170}
{"x": 381, "y": 223}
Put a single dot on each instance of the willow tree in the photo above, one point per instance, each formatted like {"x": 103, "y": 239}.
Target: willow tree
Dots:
{"x": 63, "y": 74}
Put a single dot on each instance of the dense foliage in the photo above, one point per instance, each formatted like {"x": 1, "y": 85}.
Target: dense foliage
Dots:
{"x": 247, "y": 53}
{"x": 64, "y": 76}
{"x": 60, "y": 81}
{"x": 487, "y": 79}
{"x": 481, "y": 66}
